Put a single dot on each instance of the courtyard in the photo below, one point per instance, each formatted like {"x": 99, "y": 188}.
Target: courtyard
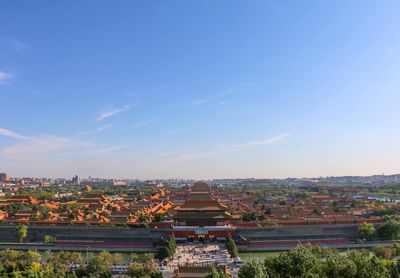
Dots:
{"x": 195, "y": 254}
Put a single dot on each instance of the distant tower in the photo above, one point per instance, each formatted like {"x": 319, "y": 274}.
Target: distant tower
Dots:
{"x": 76, "y": 180}
{"x": 4, "y": 177}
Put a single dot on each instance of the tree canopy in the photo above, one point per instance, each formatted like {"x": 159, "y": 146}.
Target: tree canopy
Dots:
{"x": 21, "y": 232}
{"x": 307, "y": 261}
{"x": 366, "y": 231}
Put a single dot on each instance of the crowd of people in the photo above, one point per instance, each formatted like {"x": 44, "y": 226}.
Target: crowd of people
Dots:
{"x": 198, "y": 254}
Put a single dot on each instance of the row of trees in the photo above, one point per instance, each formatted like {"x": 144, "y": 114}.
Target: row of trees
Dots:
{"x": 58, "y": 265}
{"x": 307, "y": 261}
{"x": 390, "y": 229}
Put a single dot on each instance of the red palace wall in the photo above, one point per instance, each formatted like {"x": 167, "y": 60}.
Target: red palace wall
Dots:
{"x": 296, "y": 242}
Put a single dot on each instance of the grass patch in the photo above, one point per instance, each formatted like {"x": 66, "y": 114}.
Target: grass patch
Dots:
{"x": 246, "y": 256}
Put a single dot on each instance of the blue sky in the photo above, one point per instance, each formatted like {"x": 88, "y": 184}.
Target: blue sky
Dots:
{"x": 199, "y": 89}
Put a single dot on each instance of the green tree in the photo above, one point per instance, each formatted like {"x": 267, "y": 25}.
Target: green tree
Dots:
{"x": 393, "y": 268}
{"x": 60, "y": 262}
{"x": 231, "y": 246}
{"x": 171, "y": 245}
{"x": 222, "y": 274}
{"x": 147, "y": 269}
{"x": 21, "y": 232}
{"x": 269, "y": 264}
{"x": 35, "y": 271}
{"x": 298, "y": 262}
{"x": 366, "y": 231}
{"x": 136, "y": 270}
{"x": 368, "y": 265}
{"x": 339, "y": 266}
{"x": 253, "y": 269}
{"x": 164, "y": 253}
{"x": 26, "y": 258}
{"x": 16, "y": 274}
{"x": 48, "y": 239}
{"x": 384, "y": 252}
{"x": 249, "y": 216}
{"x": 390, "y": 229}
{"x": 214, "y": 272}
{"x": 100, "y": 265}
{"x": 396, "y": 246}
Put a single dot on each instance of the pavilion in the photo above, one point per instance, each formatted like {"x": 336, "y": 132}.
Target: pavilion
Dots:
{"x": 201, "y": 209}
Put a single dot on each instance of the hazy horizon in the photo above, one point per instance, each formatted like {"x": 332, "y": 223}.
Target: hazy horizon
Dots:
{"x": 199, "y": 90}
{"x": 200, "y": 179}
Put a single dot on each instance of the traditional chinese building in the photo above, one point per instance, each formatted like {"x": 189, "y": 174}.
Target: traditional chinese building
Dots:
{"x": 201, "y": 209}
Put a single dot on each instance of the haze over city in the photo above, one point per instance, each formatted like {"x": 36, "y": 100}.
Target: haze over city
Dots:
{"x": 205, "y": 89}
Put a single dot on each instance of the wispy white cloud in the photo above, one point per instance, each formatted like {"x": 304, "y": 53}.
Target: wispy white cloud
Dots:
{"x": 14, "y": 44}
{"x": 106, "y": 150}
{"x": 269, "y": 141}
{"x": 173, "y": 153}
{"x": 42, "y": 145}
{"x": 191, "y": 154}
{"x": 94, "y": 131}
{"x": 19, "y": 46}
{"x": 199, "y": 102}
{"x": 112, "y": 112}
{"x": 38, "y": 145}
{"x": 218, "y": 97}
{"x": 144, "y": 123}
{"x": 12, "y": 134}
{"x": 5, "y": 77}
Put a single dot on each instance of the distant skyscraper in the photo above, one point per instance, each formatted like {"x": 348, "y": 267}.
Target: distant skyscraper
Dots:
{"x": 76, "y": 180}
{"x": 4, "y": 177}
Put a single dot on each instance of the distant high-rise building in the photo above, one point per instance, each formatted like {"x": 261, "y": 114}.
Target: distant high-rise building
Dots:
{"x": 4, "y": 177}
{"x": 76, "y": 180}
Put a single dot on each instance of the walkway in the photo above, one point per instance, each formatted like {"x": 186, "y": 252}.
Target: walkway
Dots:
{"x": 200, "y": 254}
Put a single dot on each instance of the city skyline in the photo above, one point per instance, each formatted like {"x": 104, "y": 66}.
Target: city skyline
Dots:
{"x": 227, "y": 89}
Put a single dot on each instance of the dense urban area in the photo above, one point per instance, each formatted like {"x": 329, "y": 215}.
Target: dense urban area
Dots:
{"x": 324, "y": 227}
